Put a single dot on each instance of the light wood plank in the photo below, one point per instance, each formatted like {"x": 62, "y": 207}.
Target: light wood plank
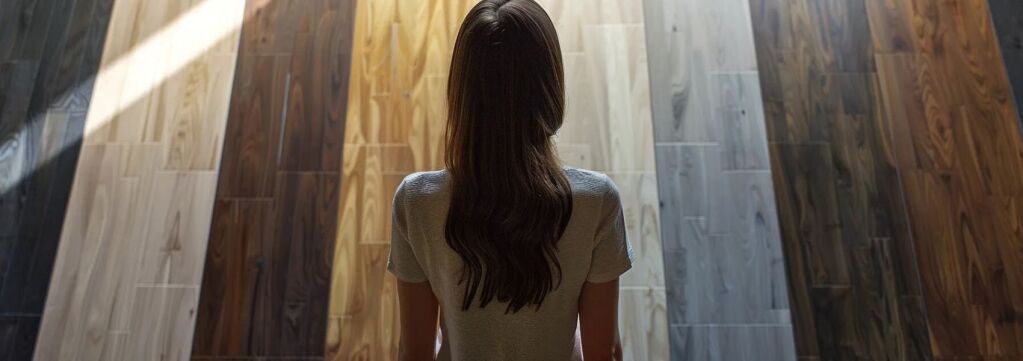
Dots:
{"x": 643, "y": 323}
{"x": 162, "y": 329}
{"x": 732, "y": 343}
{"x": 178, "y": 229}
{"x": 160, "y": 103}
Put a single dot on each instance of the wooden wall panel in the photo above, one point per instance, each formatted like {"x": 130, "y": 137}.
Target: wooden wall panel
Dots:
{"x": 397, "y": 118}
{"x": 897, "y": 153}
{"x": 1007, "y": 18}
{"x": 125, "y": 285}
{"x": 397, "y": 115}
{"x": 266, "y": 283}
{"x": 725, "y": 272}
{"x": 949, "y": 104}
{"x": 608, "y": 128}
{"x": 49, "y": 55}
{"x": 849, "y": 252}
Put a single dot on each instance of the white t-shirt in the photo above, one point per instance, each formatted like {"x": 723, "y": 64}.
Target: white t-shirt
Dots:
{"x": 594, "y": 248}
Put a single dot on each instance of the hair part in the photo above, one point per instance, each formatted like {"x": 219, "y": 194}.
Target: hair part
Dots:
{"x": 510, "y": 198}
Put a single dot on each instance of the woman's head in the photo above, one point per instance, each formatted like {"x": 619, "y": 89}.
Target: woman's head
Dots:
{"x": 507, "y": 82}
{"x": 510, "y": 198}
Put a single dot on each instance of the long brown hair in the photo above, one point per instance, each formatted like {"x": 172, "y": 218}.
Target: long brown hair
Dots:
{"x": 510, "y": 199}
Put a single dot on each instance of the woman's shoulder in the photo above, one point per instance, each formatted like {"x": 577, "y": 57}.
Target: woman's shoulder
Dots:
{"x": 423, "y": 183}
{"x": 590, "y": 182}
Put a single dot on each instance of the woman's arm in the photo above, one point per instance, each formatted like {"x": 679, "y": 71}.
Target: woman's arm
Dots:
{"x": 598, "y": 321}
{"x": 418, "y": 312}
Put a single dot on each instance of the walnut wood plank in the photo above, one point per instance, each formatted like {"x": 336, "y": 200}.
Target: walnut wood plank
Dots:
{"x": 278, "y": 195}
{"x": 914, "y": 104}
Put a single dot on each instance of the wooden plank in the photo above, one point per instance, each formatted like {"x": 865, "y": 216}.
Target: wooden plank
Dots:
{"x": 1007, "y": 17}
{"x": 397, "y": 113}
{"x": 234, "y": 310}
{"x": 129, "y": 223}
{"x": 306, "y": 211}
{"x": 18, "y": 336}
{"x": 737, "y": 107}
{"x": 163, "y": 329}
{"x": 638, "y": 193}
{"x": 281, "y": 166}
{"x": 251, "y": 147}
{"x": 732, "y": 342}
{"x": 643, "y": 323}
{"x": 99, "y": 251}
{"x": 723, "y": 253}
{"x": 178, "y": 228}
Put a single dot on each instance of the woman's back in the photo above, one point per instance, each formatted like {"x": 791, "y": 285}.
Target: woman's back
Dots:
{"x": 593, "y": 248}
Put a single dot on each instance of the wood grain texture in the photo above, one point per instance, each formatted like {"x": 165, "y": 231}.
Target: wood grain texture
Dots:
{"x": 890, "y": 119}
{"x": 49, "y": 52}
{"x": 129, "y": 262}
{"x": 1007, "y": 18}
{"x": 266, "y": 283}
{"x": 608, "y": 128}
{"x": 725, "y": 275}
{"x": 949, "y": 103}
{"x": 397, "y": 115}
{"x": 397, "y": 118}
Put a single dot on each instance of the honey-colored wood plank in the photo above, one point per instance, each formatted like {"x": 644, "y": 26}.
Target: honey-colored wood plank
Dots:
{"x": 397, "y": 115}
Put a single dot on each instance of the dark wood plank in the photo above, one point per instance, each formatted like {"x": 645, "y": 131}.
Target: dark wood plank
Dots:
{"x": 18, "y": 337}
{"x": 249, "y": 164}
{"x": 47, "y": 47}
{"x": 1007, "y": 16}
{"x": 306, "y": 214}
{"x": 317, "y": 101}
{"x": 279, "y": 178}
{"x": 233, "y": 309}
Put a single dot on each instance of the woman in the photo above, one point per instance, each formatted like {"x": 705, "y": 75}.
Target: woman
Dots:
{"x": 510, "y": 250}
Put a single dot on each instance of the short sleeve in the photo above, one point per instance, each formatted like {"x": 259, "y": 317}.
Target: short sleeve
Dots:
{"x": 402, "y": 261}
{"x": 612, "y": 251}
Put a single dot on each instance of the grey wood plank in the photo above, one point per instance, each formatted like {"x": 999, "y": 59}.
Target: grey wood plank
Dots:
{"x": 739, "y": 111}
{"x": 732, "y": 343}
{"x": 681, "y": 186}
{"x": 679, "y": 84}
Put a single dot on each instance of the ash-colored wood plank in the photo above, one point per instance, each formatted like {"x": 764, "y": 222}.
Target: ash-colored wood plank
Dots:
{"x": 148, "y": 113}
{"x": 639, "y": 205}
{"x": 737, "y": 107}
{"x": 92, "y": 291}
{"x": 732, "y": 342}
{"x": 643, "y": 324}
{"x": 178, "y": 229}
{"x": 162, "y": 330}
{"x": 197, "y": 94}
